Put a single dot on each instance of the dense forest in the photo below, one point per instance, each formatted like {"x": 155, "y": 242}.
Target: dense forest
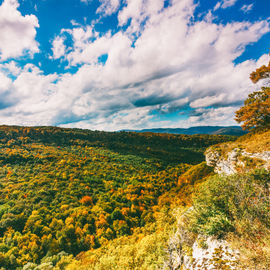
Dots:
{"x": 66, "y": 191}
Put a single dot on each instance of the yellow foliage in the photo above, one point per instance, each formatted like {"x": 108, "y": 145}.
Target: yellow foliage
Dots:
{"x": 69, "y": 220}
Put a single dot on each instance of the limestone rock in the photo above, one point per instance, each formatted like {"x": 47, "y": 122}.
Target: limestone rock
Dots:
{"x": 210, "y": 253}
{"x": 236, "y": 160}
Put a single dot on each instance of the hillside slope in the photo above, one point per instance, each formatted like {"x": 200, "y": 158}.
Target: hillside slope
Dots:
{"x": 229, "y": 222}
{"x": 226, "y": 225}
{"x": 169, "y": 148}
{"x": 78, "y": 199}
{"x": 66, "y": 191}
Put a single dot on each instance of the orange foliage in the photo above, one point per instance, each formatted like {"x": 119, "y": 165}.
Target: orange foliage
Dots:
{"x": 256, "y": 111}
{"x": 86, "y": 200}
{"x": 260, "y": 73}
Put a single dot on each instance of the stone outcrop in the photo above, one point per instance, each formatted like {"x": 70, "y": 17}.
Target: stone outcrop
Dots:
{"x": 236, "y": 160}
{"x": 187, "y": 251}
{"x": 211, "y": 254}
{"x": 203, "y": 252}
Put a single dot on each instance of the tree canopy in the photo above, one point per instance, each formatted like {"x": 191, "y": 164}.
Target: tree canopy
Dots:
{"x": 256, "y": 110}
{"x": 255, "y": 114}
{"x": 67, "y": 191}
{"x": 262, "y": 72}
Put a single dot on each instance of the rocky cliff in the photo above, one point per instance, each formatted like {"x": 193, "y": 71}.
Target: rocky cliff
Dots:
{"x": 237, "y": 160}
{"x": 240, "y": 156}
{"x": 191, "y": 251}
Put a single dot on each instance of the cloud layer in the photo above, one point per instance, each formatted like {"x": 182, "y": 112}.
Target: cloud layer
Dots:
{"x": 17, "y": 32}
{"x": 162, "y": 69}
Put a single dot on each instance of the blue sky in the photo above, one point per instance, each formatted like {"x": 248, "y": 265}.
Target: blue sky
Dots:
{"x": 113, "y": 64}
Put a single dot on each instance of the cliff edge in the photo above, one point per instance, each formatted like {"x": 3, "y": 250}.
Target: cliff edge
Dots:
{"x": 249, "y": 152}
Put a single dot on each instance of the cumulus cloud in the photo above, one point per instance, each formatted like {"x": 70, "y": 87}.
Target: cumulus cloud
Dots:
{"x": 33, "y": 98}
{"x": 138, "y": 12}
{"x": 5, "y": 82}
{"x": 174, "y": 65}
{"x": 58, "y": 48}
{"x": 108, "y": 7}
{"x": 11, "y": 68}
{"x": 17, "y": 32}
{"x": 213, "y": 116}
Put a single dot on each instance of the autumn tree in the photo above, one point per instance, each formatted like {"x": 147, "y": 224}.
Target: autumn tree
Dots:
{"x": 262, "y": 72}
{"x": 255, "y": 114}
{"x": 256, "y": 110}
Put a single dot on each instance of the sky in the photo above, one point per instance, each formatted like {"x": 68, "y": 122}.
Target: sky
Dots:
{"x": 129, "y": 64}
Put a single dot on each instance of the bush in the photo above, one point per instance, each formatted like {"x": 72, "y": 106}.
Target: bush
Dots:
{"x": 223, "y": 201}
{"x": 236, "y": 207}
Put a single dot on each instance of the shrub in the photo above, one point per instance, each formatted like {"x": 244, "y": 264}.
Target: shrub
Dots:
{"x": 236, "y": 207}
{"x": 223, "y": 201}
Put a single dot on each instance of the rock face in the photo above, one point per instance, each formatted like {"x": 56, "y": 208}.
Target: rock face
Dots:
{"x": 236, "y": 160}
{"x": 186, "y": 251}
{"x": 263, "y": 156}
{"x": 211, "y": 254}
{"x": 206, "y": 253}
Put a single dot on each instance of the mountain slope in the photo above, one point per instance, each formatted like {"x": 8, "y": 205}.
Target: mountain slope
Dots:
{"x": 79, "y": 199}
{"x": 218, "y": 130}
{"x": 225, "y": 226}
{"x": 66, "y": 191}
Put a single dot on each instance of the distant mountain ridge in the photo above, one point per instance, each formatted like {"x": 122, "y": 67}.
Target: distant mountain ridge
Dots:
{"x": 211, "y": 130}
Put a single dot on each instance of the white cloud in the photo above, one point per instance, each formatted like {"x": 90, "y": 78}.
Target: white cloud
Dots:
{"x": 17, "y": 32}
{"x": 208, "y": 101}
{"x": 214, "y": 116}
{"x": 58, "y": 48}
{"x": 108, "y": 7}
{"x": 10, "y": 68}
{"x": 138, "y": 12}
{"x": 5, "y": 82}
{"x": 87, "y": 48}
{"x": 228, "y": 3}
{"x": 247, "y": 8}
{"x": 225, "y": 4}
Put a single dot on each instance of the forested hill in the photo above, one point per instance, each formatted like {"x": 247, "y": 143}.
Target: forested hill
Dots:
{"x": 164, "y": 147}
{"x": 210, "y": 130}
{"x": 66, "y": 191}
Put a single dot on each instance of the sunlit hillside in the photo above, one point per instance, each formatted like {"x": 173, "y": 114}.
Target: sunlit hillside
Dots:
{"x": 226, "y": 216}
{"x": 65, "y": 191}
